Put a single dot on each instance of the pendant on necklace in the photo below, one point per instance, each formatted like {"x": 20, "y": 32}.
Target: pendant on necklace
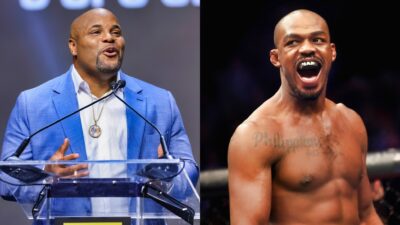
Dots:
{"x": 94, "y": 131}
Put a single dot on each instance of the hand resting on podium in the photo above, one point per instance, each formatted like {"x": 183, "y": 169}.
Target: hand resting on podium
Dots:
{"x": 73, "y": 171}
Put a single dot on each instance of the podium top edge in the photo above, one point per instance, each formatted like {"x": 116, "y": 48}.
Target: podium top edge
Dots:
{"x": 73, "y": 162}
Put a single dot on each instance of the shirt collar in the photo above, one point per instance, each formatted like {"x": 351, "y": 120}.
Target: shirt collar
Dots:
{"x": 82, "y": 85}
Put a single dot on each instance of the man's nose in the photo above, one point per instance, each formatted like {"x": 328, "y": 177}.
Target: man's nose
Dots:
{"x": 108, "y": 37}
{"x": 307, "y": 48}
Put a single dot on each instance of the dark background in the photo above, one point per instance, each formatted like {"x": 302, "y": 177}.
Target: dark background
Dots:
{"x": 162, "y": 47}
{"x": 237, "y": 76}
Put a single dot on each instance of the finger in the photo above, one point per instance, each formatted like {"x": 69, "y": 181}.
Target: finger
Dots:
{"x": 56, "y": 168}
{"x": 73, "y": 170}
{"x": 63, "y": 148}
{"x": 68, "y": 171}
{"x": 79, "y": 167}
{"x": 71, "y": 156}
{"x": 160, "y": 151}
{"x": 61, "y": 171}
{"x": 77, "y": 175}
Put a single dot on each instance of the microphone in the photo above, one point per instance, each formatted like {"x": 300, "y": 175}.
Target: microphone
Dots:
{"x": 153, "y": 171}
{"x": 28, "y": 173}
{"x": 121, "y": 84}
{"x": 155, "y": 189}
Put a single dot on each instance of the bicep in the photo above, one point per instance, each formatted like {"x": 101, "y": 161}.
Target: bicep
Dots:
{"x": 364, "y": 196}
{"x": 249, "y": 197}
{"x": 365, "y": 205}
{"x": 249, "y": 184}
{"x": 367, "y": 213}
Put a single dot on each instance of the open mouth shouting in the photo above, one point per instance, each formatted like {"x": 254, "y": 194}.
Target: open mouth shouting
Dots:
{"x": 110, "y": 51}
{"x": 309, "y": 71}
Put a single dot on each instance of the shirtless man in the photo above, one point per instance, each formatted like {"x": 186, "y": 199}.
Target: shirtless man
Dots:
{"x": 300, "y": 159}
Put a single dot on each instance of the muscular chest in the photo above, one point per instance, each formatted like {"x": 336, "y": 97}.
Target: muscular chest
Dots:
{"x": 311, "y": 158}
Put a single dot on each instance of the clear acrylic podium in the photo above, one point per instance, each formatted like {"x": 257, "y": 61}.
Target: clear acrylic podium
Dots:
{"x": 140, "y": 190}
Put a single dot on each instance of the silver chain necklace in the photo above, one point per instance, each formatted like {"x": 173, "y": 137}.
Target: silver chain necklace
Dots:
{"x": 95, "y": 130}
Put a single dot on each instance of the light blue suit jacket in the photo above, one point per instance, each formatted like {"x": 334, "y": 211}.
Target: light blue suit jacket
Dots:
{"x": 42, "y": 105}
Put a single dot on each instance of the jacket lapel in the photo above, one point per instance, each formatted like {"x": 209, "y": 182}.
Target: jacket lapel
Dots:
{"x": 135, "y": 124}
{"x": 65, "y": 102}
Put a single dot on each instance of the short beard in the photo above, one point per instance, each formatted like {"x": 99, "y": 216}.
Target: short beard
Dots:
{"x": 306, "y": 96}
{"x": 108, "y": 69}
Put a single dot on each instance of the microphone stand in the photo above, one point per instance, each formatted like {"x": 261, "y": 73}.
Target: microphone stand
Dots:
{"x": 161, "y": 173}
{"x": 28, "y": 173}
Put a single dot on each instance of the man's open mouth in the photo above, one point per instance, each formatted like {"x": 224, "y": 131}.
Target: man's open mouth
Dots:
{"x": 110, "y": 51}
{"x": 308, "y": 68}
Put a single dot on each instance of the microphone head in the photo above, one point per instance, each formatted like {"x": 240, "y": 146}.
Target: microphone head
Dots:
{"x": 122, "y": 83}
{"x": 117, "y": 85}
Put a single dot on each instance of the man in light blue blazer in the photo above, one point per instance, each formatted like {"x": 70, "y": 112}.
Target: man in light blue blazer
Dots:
{"x": 107, "y": 130}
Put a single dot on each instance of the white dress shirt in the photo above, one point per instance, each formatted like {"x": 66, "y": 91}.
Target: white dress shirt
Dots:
{"x": 110, "y": 145}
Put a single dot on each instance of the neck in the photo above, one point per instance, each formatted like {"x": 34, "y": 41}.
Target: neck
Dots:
{"x": 99, "y": 88}
{"x": 99, "y": 83}
{"x": 298, "y": 105}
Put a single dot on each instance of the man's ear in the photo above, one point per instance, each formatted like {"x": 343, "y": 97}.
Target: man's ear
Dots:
{"x": 274, "y": 58}
{"x": 333, "y": 47}
{"x": 72, "y": 47}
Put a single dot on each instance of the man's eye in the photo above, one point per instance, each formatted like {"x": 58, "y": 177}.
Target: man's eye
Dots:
{"x": 95, "y": 32}
{"x": 318, "y": 40}
{"x": 291, "y": 42}
{"x": 117, "y": 33}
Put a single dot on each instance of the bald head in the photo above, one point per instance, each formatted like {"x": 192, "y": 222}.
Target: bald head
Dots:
{"x": 82, "y": 21}
{"x": 301, "y": 17}
{"x": 96, "y": 44}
